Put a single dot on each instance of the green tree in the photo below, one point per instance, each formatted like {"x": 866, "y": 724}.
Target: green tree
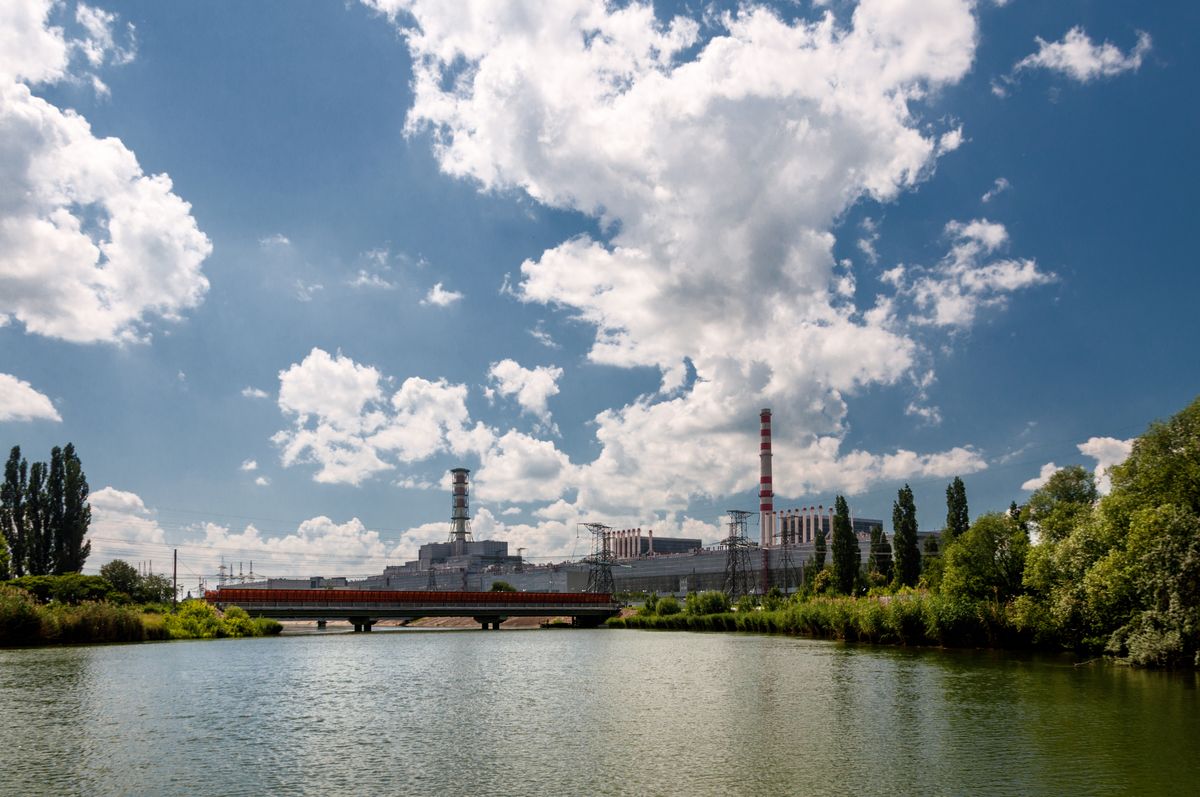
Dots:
{"x": 879, "y": 559}
{"x": 1059, "y": 505}
{"x": 818, "y": 559}
{"x": 904, "y": 538}
{"x": 958, "y": 518}
{"x": 931, "y": 563}
{"x": 5, "y": 562}
{"x": 1018, "y": 516}
{"x": 987, "y": 561}
{"x": 846, "y": 554}
{"x": 502, "y": 586}
{"x": 1153, "y": 512}
{"x": 122, "y": 575}
{"x": 71, "y": 550}
{"x": 39, "y": 536}
{"x": 55, "y": 490}
{"x": 12, "y": 509}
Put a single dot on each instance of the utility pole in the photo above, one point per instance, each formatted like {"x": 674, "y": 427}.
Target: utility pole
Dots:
{"x": 175, "y": 579}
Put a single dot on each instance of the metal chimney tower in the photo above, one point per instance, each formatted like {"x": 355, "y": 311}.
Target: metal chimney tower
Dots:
{"x": 766, "y": 496}
{"x": 460, "y": 515}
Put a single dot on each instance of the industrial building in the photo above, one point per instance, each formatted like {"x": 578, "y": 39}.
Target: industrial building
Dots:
{"x": 641, "y": 560}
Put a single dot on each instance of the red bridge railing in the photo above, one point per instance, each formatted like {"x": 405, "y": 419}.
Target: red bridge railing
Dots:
{"x": 348, "y": 597}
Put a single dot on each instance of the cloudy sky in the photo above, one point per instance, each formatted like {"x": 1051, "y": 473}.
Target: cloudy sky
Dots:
{"x": 274, "y": 268}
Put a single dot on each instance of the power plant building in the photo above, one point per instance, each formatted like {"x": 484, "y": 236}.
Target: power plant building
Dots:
{"x": 784, "y": 552}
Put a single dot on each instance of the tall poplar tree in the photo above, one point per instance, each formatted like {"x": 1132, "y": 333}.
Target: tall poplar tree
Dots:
{"x": 12, "y": 509}
{"x": 904, "y": 526}
{"x": 958, "y": 519}
{"x": 846, "y": 554}
{"x": 55, "y": 488}
{"x": 70, "y": 549}
{"x": 819, "y": 547}
{"x": 39, "y": 537}
{"x": 879, "y": 560}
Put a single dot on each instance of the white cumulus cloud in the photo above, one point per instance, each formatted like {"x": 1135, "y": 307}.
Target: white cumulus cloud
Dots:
{"x": 122, "y": 527}
{"x": 612, "y": 112}
{"x": 91, "y": 247}
{"x": 441, "y": 297}
{"x": 19, "y": 401}
{"x": 968, "y": 279}
{"x": 344, "y": 422}
{"x": 1107, "y": 451}
{"x": 1080, "y": 59}
{"x": 1039, "y": 481}
{"x": 532, "y": 387}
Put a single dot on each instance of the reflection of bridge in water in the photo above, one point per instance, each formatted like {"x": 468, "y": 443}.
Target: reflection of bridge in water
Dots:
{"x": 364, "y": 607}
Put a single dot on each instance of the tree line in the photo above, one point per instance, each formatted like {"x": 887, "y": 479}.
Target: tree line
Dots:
{"x": 1069, "y": 568}
{"x": 44, "y": 515}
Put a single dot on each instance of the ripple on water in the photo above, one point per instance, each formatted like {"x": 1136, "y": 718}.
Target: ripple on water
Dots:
{"x": 584, "y": 712}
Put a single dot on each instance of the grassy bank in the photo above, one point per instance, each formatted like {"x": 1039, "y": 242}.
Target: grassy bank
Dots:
{"x": 24, "y": 620}
{"x": 915, "y": 618}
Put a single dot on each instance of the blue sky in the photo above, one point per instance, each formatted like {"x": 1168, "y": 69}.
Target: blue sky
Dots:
{"x": 575, "y": 248}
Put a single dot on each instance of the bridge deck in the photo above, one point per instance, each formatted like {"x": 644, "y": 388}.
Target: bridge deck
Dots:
{"x": 380, "y": 604}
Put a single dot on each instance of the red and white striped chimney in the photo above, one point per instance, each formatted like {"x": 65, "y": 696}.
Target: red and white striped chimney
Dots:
{"x": 766, "y": 497}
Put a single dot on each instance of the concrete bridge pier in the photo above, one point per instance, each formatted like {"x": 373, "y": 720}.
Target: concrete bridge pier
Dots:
{"x": 321, "y": 624}
{"x": 487, "y": 623}
{"x": 362, "y": 625}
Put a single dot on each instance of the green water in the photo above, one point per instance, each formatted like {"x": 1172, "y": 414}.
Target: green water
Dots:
{"x": 584, "y": 713}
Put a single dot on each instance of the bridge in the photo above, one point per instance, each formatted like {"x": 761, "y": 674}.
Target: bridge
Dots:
{"x": 363, "y": 608}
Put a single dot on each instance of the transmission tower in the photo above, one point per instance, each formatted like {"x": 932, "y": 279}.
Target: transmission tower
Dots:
{"x": 739, "y": 578}
{"x": 431, "y": 586}
{"x": 790, "y": 576}
{"x": 600, "y": 577}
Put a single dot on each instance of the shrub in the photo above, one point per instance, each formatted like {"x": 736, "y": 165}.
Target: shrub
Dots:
{"x": 711, "y": 602}
{"x": 19, "y": 622}
{"x": 96, "y": 622}
{"x": 648, "y": 607}
{"x": 69, "y": 588}
{"x": 747, "y": 603}
{"x": 237, "y": 623}
{"x": 265, "y": 626}
{"x": 194, "y": 620}
{"x": 822, "y": 582}
{"x": 667, "y": 606}
{"x": 774, "y": 600}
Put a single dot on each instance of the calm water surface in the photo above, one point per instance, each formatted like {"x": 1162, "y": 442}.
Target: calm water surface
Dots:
{"x": 583, "y": 713}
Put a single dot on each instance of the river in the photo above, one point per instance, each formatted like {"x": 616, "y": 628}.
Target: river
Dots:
{"x": 584, "y": 713}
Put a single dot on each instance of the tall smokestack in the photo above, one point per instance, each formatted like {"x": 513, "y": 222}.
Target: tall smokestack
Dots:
{"x": 460, "y": 515}
{"x": 766, "y": 497}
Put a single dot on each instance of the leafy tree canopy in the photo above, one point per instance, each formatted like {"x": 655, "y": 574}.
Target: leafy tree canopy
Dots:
{"x": 1060, "y": 504}
{"x": 987, "y": 561}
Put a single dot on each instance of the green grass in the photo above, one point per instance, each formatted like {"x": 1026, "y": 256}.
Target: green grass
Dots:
{"x": 915, "y": 618}
{"x": 24, "y": 620}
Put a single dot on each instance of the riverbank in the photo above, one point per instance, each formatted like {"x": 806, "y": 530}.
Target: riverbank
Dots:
{"x": 916, "y": 618}
{"x": 25, "y": 621}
